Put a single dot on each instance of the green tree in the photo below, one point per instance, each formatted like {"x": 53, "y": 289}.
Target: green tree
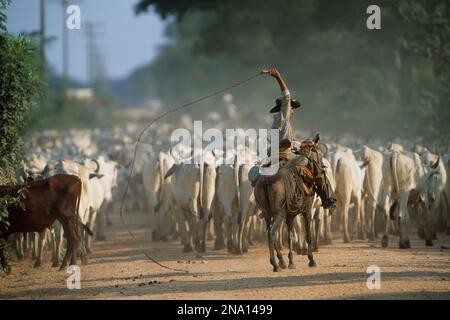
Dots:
{"x": 348, "y": 77}
{"x": 19, "y": 86}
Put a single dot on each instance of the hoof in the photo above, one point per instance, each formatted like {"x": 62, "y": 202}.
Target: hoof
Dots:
{"x": 283, "y": 265}
{"x": 55, "y": 264}
{"x": 421, "y": 233}
{"x": 312, "y": 263}
{"x": 325, "y": 242}
{"x": 291, "y": 266}
{"x": 245, "y": 249}
{"x": 362, "y": 236}
{"x": 37, "y": 264}
{"x": 384, "y": 242}
{"x": 7, "y": 269}
{"x": 187, "y": 248}
{"x": 429, "y": 243}
{"x": 230, "y": 247}
{"x": 304, "y": 252}
{"x": 155, "y": 236}
{"x": 238, "y": 251}
{"x": 276, "y": 269}
{"x": 101, "y": 238}
{"x": 404, "y": 245}
{"x": 84, "y": 261}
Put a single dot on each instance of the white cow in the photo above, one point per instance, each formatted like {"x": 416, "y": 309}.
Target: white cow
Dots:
{"x": 435, "y": 185}
{"x": 408, "y": 188}
{"x": 100, "y": 190}
{"x": 187, "y": 196}
{"x": 247, "y": 208}
{"x": 227, "y": 192}
{"x": 372, "y": 185}
{"x": 349, "y": 180}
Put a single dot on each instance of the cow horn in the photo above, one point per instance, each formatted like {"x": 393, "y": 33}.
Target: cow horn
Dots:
{"x": 434, "y": 166}
{"x": 98, "y": 166}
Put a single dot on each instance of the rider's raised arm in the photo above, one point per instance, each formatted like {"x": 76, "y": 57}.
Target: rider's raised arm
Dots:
{"x": 276, "y": 74}
{"x": 285, "y": 94}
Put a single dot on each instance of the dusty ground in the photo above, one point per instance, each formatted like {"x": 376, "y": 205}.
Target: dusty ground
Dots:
{"x": 118, "y": 270}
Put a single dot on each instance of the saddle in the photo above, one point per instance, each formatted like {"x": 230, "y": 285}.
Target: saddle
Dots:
{"x": 303, "y": 175}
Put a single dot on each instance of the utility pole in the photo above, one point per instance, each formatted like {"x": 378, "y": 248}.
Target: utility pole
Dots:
{"x": 94, "y": 61}
{"x": 65, "y": 40}
{"x": 42, "y": 34}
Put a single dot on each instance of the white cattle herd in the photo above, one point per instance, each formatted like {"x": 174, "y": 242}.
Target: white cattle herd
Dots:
{"x": 382, "y": 188}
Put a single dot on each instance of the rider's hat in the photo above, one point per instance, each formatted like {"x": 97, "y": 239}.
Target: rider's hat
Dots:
{"x": 294, "y": 105}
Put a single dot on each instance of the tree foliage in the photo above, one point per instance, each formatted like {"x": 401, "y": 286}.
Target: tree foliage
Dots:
{"x": 383, "y": 82}
{"x": 19, "y": 85}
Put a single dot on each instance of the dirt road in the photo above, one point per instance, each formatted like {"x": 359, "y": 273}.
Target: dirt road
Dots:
{"x": 118, "y": 270}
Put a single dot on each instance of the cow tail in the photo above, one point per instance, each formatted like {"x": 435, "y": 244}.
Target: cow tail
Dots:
{"x": 77, "y": 210}
{"x": 394, "y": 173}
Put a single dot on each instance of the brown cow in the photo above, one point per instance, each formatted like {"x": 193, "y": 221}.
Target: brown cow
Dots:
{"x": 55, "y": 198}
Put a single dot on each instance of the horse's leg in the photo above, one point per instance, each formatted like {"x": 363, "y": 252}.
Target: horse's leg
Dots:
{"x": 276, "y": 229}
{"x": 186, "y": 234}
{"x": 290, "y": 227}
{"x": 271, "y": 243}
{"x": 316, "y": 221}
{"x": 327, "y": 225}
{"x": 307, "y": 219}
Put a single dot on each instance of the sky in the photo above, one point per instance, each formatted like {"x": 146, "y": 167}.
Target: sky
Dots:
{"x": 125, "y": 40}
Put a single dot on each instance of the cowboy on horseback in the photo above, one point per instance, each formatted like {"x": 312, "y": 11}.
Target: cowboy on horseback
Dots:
{"x": 307, "y": 150}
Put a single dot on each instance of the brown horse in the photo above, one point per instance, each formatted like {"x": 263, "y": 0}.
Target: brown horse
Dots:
{"x": 290, "y": 192}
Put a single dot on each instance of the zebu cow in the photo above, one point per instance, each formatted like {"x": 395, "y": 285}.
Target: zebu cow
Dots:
{"x": 349, "y": 181}
{"x": 160, "y": 193}
{"x": 101, "y": 185}
{"x": 187, "y": 195}
{"x": 435, "y": 184}
{"x": 227, "y": 193}
{"x": 407, "y": 186}
{"x": 55, "y": 198}
{"x": 446, "y": 194}
{"x": 371, "y": 186}
{"x": 86, "y": 202}
{"x": 247, "y": 203}
{"x": 208, "y": 176}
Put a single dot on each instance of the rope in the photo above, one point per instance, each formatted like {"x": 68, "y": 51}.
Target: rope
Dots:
{"x": 235, "y": 85}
